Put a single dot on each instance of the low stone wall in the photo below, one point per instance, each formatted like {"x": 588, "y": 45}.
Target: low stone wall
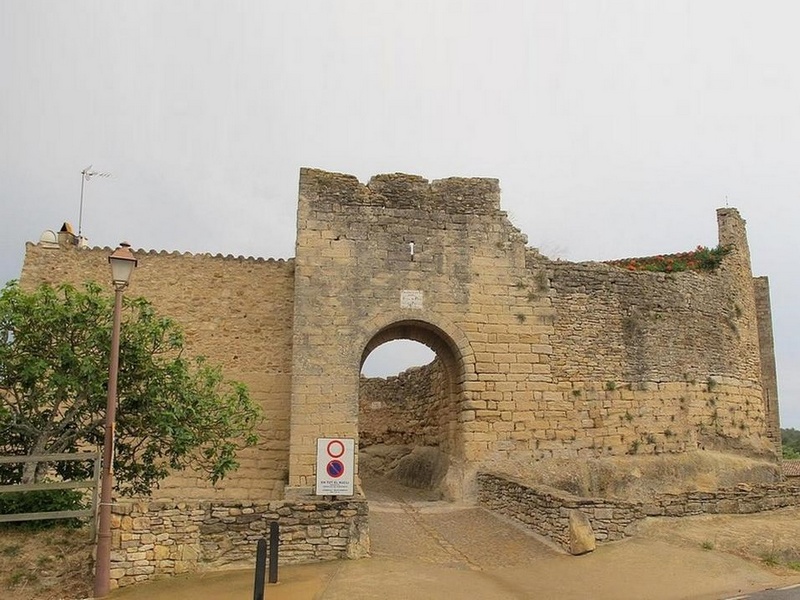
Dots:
{"x": 741, "y": 500}
{"x": 152, "y": 539}
{"x": 546, "y": 510}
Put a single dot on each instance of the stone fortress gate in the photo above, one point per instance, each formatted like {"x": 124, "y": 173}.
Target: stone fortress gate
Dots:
{"x": 538, "y": 360}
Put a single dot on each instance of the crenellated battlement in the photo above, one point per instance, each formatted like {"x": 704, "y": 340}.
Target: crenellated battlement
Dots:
{"x": 455, "y": 195}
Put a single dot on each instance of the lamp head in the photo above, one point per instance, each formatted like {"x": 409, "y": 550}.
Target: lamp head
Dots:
{"x": 123, "y": 262}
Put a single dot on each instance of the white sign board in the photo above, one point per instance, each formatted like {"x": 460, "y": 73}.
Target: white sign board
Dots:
{"x": 335, "y": 466}
{"x": 411, "y": 299}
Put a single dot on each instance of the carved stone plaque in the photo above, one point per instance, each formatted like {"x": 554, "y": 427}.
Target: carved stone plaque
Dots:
{"x": 411, "y": 299}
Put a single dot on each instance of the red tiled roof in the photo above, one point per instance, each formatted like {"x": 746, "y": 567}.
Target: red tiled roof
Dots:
{"x": 791, "y": 468}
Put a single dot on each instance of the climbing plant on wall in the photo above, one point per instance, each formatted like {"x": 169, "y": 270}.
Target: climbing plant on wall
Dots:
{"x": 699, "y": 259}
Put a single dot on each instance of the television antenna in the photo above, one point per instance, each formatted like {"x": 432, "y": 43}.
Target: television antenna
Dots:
{"x": 86, "y": 175}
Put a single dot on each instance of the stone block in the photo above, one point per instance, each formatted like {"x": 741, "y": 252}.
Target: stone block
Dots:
{"x": 604, "y": 514}
{"x": 581, "y": 534}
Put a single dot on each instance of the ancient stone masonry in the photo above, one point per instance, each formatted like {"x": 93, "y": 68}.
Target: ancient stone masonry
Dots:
{"x": 401, "y": 257}
{"x": 537, "y": 359}
{"x": 769, "y": 375}
{"x": 547, "y": 511}
{"x": 152, "y": 539}
{"x": 409, "y": 409}
{"x": 242, "y": 326}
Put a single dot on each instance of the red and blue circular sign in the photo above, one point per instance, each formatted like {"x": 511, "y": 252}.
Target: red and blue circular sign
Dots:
{"x": 335, "y": 469}
{"x": 335, "y": 448}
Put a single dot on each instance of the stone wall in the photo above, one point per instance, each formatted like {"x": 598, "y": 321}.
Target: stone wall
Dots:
{"x": 769, "y": 374}
{"x": 618, "y": 325}
{"x": 402, "y": 257}
{"x": 581, "y": 419}
{"x": 606, "y": 418}
{"x": 665, "y": 334}
{"x": 235, "y": 311}
{"x": 546, "y": 358}
{"x": 152, "y": 539}
{"x": 538, "y": 358}
{"x": 409, "y": 409}
{"x": 546, "y": 510}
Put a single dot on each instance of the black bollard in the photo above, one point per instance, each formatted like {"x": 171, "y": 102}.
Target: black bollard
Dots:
{"x": 273, "y": 552}
{"x": 261, "y": 566}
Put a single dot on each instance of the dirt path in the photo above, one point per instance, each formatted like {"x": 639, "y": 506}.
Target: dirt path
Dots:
{"x": 770, "y": 539}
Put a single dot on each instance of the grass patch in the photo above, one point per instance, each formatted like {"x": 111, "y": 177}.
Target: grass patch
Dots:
{"x": 43, "y": 560}
{"x": 45, "y": 564}
{"x": 770, "y": 559}
{"x": 12, "y": 549}
{"x": 20, "y": 577}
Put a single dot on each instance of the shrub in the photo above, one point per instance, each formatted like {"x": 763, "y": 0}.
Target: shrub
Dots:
{"x": 13, "y": 503}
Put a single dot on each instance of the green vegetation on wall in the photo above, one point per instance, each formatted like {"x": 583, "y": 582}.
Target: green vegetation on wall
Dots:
{"x": 699, "y": 259}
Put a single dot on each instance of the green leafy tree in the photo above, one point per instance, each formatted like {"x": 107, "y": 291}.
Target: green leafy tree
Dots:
{"x": 790, "y": 440}
{"x": 173, "y": 413}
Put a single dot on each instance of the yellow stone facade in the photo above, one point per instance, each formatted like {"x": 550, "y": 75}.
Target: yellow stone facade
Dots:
{"x": 542, "y": 359}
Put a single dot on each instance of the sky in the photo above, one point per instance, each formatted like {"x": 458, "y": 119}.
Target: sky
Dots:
{"x": 616, "y": 128}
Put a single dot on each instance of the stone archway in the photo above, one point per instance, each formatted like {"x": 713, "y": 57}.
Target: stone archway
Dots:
{"x": 409, "y": 423}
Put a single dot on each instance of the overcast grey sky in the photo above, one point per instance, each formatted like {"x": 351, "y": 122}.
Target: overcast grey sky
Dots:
{"x": 616, "y": 128}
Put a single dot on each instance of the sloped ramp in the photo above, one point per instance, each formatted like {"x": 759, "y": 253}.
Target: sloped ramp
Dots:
{"x": 451, "y": 535}
{"x": 404, "y": 524}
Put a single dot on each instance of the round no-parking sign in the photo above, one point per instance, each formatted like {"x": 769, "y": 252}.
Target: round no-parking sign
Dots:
{"x": 335, "y": 469}
{"x": 335, "y": 466}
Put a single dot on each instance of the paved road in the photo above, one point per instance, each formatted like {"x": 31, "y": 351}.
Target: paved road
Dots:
{"x": 790, "y": 592}
{"x": 428, "y": 549}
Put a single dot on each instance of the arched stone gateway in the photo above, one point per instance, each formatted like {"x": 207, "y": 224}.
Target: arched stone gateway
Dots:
{"x": 455, "y": 354}
{"x": 546, "y": 361}
{"x": 552, "y": 359}
{"x": 398, "y": 251}
{"x": 416, "y": 417}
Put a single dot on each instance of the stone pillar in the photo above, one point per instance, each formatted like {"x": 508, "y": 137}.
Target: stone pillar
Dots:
{"x": 738, "y": 278}
{"x": 769, "y": 375}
